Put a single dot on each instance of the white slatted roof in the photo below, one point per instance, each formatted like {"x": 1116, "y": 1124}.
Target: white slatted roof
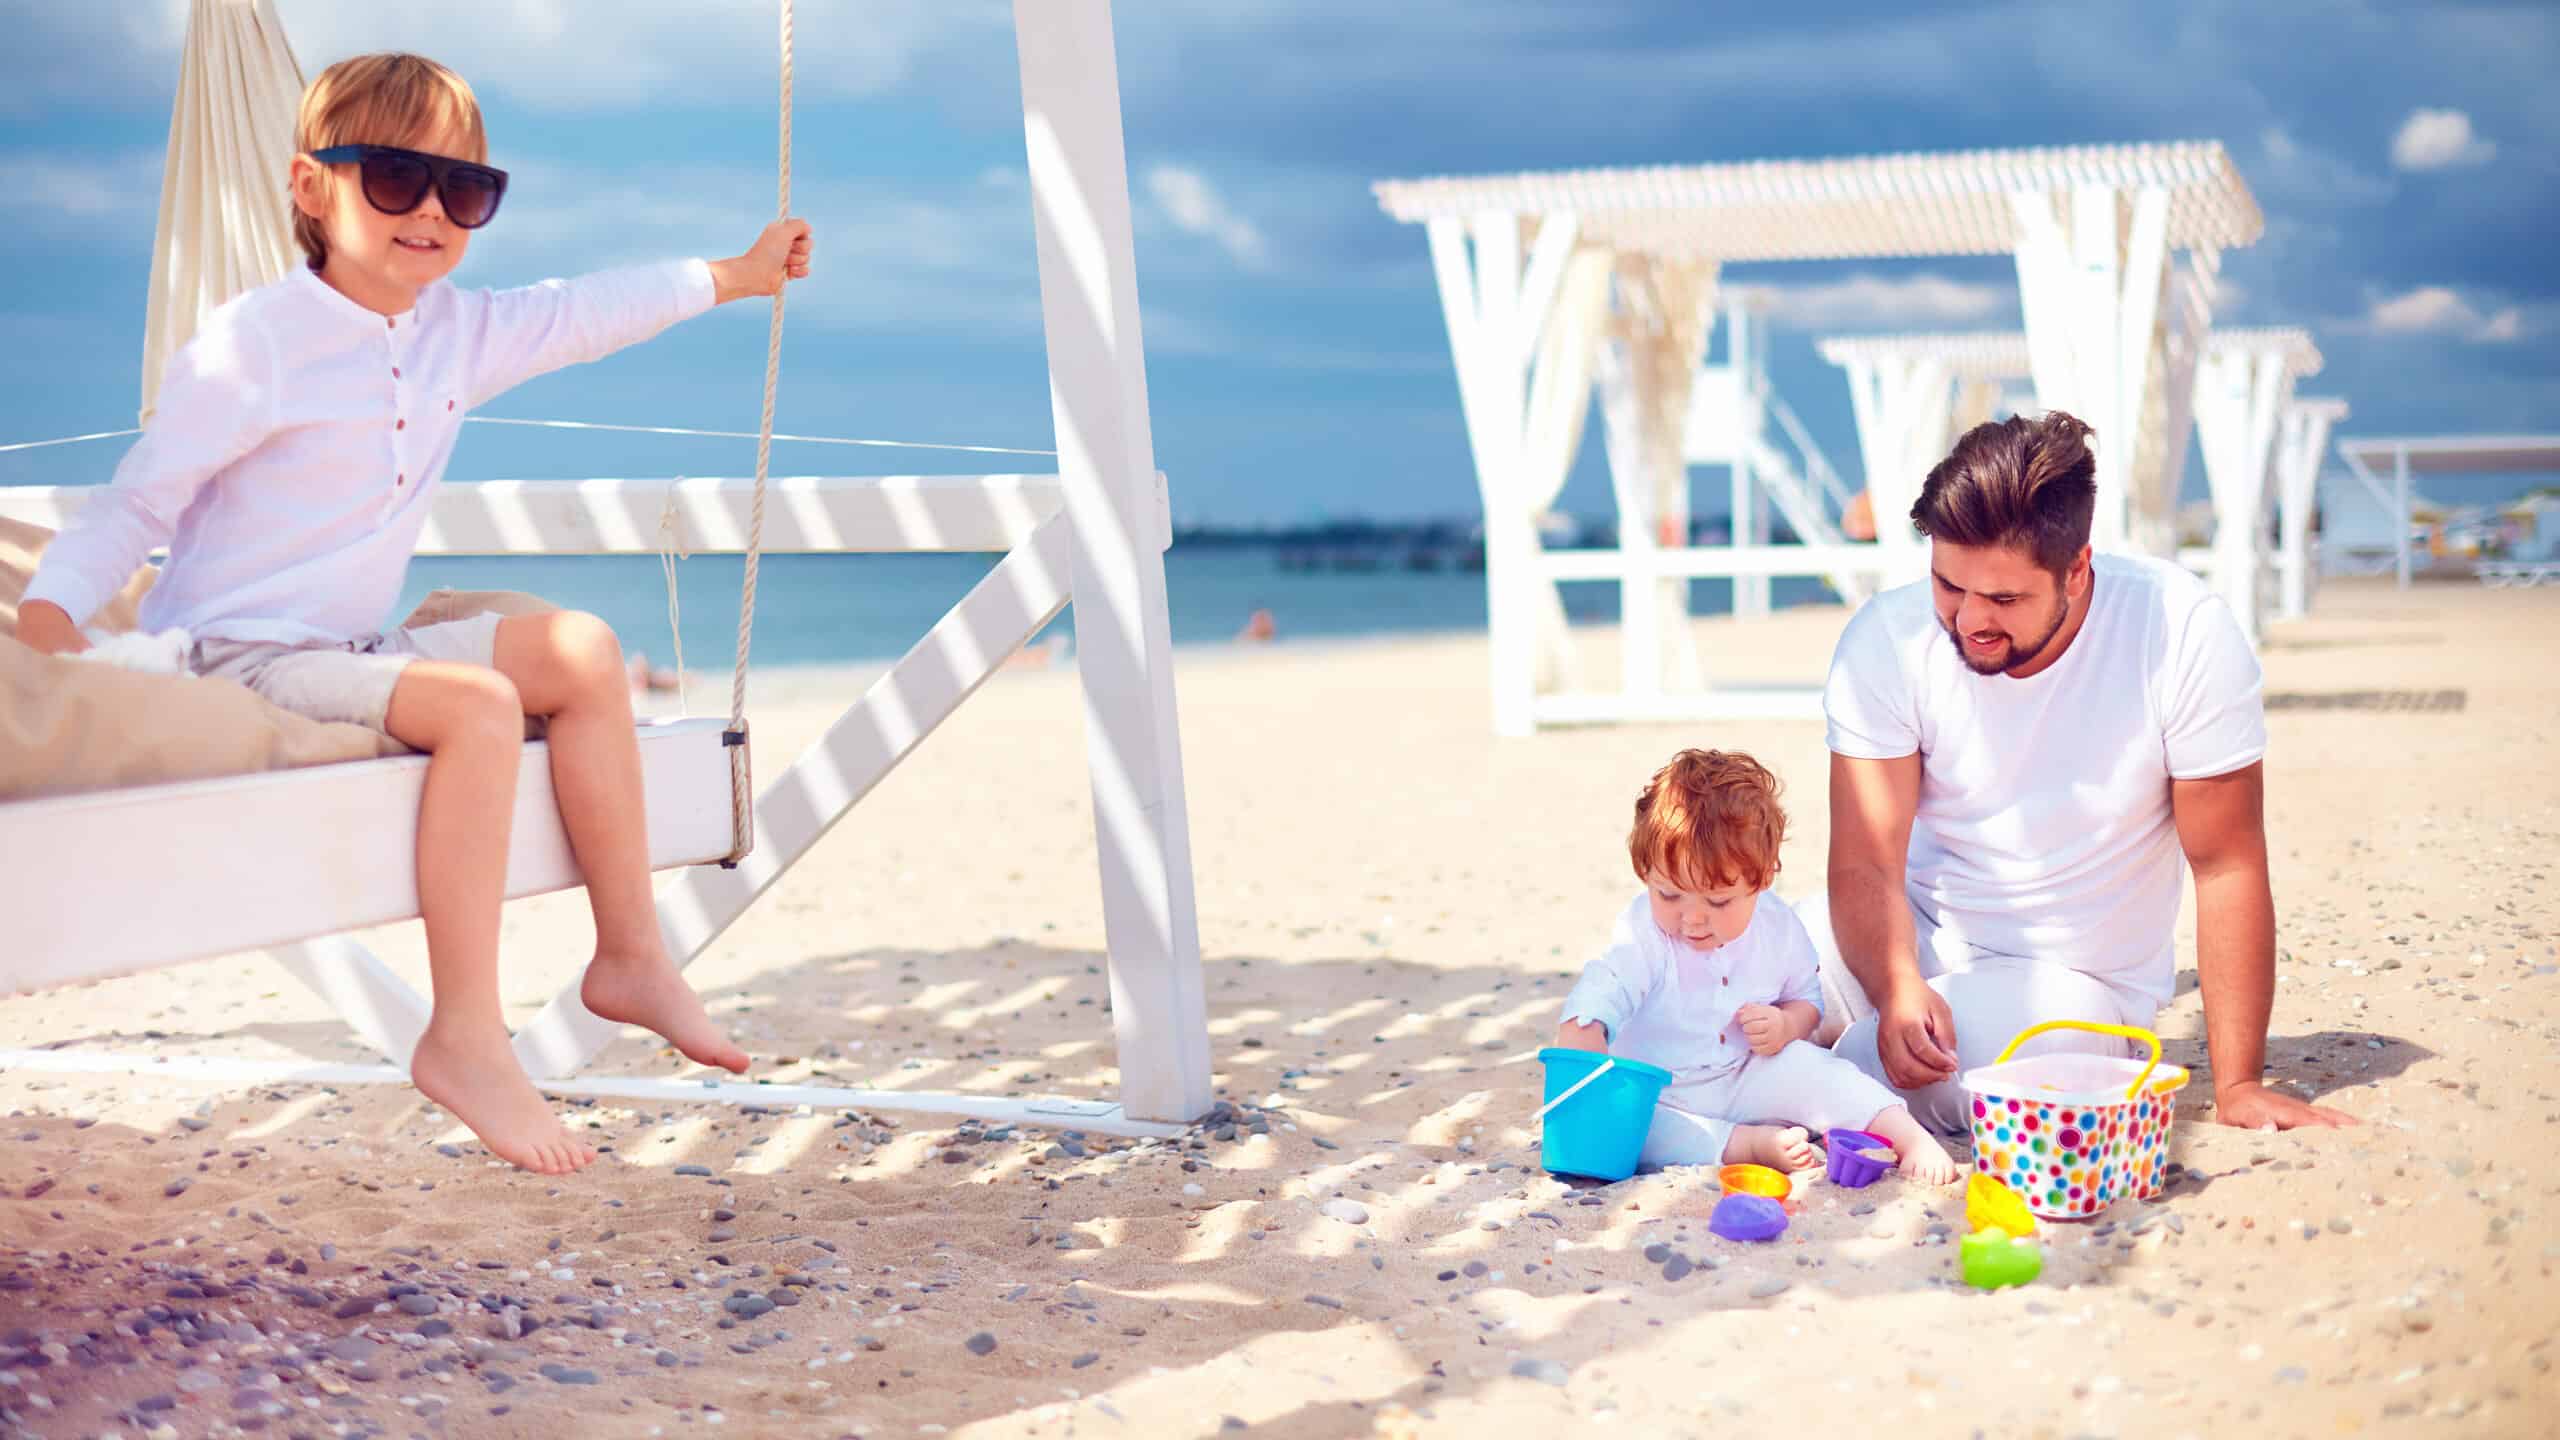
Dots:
{"x": 1948, "y": 203}
{"x": 1983, "y": 355}
{"x": 2292, "y": 342}
{"x": 2461, "y": 454}
{"x": 2002, "y": 355}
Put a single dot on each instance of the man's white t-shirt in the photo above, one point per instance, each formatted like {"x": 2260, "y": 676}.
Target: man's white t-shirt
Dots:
{"x": 2044, "y": 829}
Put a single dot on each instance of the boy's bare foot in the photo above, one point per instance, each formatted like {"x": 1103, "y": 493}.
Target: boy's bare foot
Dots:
{"x": 1780, "y": 1147}
{"x": 649, "y": 992}
{"x": 477, "y": 1077}
{"x": 1923, "y": 1158}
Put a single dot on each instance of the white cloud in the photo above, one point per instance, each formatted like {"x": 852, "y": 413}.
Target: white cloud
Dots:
{"x": 1867, "y": 301}
{"x": 2439, "y": 140}
{"x": 79, "y": 189}
{"x": 2437, "y": 310}
{"x": 1195, "y": 207}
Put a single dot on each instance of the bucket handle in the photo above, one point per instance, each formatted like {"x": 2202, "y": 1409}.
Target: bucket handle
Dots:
{"x": 2129, "y": 1032}
{"x": 1603, "y": 1068}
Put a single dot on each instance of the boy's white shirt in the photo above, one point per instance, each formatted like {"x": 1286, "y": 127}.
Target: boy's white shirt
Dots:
{"x": 1668, "y": 1005}
{"x": 2044, "y": 829}
{"x": 300, "y": 438}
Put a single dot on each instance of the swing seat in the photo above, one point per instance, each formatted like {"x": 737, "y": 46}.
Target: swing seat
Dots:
{"x": 251, "y": 861}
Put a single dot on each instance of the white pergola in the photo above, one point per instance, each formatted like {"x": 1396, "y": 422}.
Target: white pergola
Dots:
{"x": 2441, "y": 455}
{"x": 1537, "y": 270}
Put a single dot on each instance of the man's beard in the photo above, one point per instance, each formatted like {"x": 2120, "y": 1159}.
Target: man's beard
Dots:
{"x": 2016, "y": 655}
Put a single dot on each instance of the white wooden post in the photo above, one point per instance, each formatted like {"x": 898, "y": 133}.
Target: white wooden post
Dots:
{"x": 2091, "y": 285}
{"x": 1496, "y": 314}
{"x": 1078, "y": 168}
{"x": 2239, "y": 397}
{"x": 2306, "y": 440}
{"x": 2186, "y": 329}
{"x": 1750, "y": 527}
{"x": 1903, "y": 408}
{"x": 2401, "y": 507}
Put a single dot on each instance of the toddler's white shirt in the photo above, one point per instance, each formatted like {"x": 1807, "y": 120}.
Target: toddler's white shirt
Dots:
{"x": 300, "y": 437}
{"x": 1668, "y": 1005}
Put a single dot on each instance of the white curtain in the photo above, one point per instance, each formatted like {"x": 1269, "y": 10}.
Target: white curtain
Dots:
{"x": 226, "y": 224}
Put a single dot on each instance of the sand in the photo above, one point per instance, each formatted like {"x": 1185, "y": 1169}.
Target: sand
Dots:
{"x": 1392, "y": 904}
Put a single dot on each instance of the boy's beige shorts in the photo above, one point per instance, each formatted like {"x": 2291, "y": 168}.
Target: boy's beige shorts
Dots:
{"x": 349, "y": 682}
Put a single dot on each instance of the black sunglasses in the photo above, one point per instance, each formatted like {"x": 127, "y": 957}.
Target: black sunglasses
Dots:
{"x": 395, "y": 181}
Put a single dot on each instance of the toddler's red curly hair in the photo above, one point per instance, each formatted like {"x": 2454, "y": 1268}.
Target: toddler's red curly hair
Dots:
{"x": 1709, "y": 819}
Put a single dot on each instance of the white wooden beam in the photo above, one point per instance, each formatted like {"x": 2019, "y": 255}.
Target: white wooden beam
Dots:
{"x": 1000, "y": 613}
{"x": 1710, "y": 561}
{"x": 1106, "y": 459}
{"x": 1096, "y": 1116}
{"x": 805, "y": 513}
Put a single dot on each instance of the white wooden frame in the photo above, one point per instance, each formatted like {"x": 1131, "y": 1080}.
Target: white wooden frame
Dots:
{"x": 2114, "y": 330}
{"x": 1097, "y": 531}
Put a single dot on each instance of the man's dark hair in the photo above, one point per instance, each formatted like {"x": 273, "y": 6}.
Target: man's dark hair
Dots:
{"x": 2027, "y": 483}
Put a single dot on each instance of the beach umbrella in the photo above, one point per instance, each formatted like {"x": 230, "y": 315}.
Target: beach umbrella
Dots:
{"x": 226, "y": 224}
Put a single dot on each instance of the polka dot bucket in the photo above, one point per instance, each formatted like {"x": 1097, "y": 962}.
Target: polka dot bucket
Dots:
{"x": 2074, "y": 1133}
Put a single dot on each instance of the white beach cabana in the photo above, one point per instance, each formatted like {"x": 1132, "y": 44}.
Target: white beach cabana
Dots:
{"x": 2402, "y": 457}
{"x": 1536, "y": 270}
{"x": 287, "y": 860}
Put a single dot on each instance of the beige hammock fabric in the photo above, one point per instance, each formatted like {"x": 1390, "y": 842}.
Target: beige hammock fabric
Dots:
{"x": 226, "y": 225}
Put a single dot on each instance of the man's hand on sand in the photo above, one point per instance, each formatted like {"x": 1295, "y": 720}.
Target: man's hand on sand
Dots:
{"x": 2250, "y": 1105}
{"x": 1916, "y": 1038}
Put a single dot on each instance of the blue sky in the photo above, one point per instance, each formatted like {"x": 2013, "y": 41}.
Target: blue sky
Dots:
{"x": 2404, "y": 156}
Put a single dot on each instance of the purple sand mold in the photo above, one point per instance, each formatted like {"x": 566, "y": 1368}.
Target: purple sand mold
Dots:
{"x": 1845, "y": 1166}
{"x": 1748, "y": 1217}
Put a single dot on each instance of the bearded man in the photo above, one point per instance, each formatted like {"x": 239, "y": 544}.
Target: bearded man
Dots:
{"x": 2029, "y": 752}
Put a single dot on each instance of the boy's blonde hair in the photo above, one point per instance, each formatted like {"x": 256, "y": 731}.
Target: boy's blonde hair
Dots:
{"x": 386, "y": 99}
{"x": 1709, "y": 819}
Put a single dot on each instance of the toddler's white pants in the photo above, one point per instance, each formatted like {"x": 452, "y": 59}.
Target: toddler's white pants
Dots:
{"x": 1803, "y": 1084}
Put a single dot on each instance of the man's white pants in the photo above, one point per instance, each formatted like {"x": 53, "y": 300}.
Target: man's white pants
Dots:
{"x": 1993, "y": 997}
{"x": 1802, "y": 1084}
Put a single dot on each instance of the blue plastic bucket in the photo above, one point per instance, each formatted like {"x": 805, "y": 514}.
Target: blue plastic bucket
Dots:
{"x": 1600, "y": 1131}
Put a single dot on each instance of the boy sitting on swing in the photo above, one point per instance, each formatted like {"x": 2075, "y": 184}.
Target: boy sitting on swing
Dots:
{"x": 294, "y": 455}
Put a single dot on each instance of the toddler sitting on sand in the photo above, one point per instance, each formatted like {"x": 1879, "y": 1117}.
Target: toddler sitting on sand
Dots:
{"x": 1712, "y": 978}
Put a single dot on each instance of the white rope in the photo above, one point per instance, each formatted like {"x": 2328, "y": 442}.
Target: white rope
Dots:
{"x": 741, "y": 805}
{"x": 630, "y": 429}
{"x": 671, "y": 548}
{"x": 716, "y": 434}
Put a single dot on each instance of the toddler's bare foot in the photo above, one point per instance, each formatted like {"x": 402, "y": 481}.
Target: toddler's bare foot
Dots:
{"x": 1780, "y": 1147}
{"x": 1923, "y": 1158}
{"x": 476, "y": 1076}
{"x": 649, "y": 992}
